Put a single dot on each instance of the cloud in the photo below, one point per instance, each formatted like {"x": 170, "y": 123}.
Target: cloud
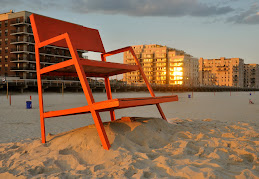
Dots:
{"x": 35, "y": 5}
{"x": 170, "y": 8}
{"x": 250, "y": 16}
{"x": 5, "y": 4}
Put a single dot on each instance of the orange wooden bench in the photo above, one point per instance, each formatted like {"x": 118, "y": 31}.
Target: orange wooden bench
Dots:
{"x": 74, "y": 37}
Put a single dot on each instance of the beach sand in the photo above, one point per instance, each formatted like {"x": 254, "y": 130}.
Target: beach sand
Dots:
{"x": 145, "y": 148}
{"x": 207, "y": 137}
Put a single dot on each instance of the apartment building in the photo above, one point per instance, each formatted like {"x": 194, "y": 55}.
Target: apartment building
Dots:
{"x": 251, "y": 75}
{"x": 221, "y": 72}
{"x": 17, "y": 56}
{"x": 163, "y": 65}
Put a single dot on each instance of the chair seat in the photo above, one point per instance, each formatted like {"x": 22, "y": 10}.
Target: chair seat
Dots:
{"x": 94, "y": 68}
{"x": 118, "y": 103}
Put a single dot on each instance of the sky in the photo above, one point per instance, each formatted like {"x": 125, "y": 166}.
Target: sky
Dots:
{"x": 202, "y": 28}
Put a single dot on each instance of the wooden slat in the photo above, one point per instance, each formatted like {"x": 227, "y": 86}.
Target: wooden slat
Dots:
{"x": 56, "y": 66}
{"x": 65, "y": 112}
{"x": 133, "y": 102}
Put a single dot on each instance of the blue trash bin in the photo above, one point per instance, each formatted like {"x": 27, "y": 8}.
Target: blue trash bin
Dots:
{"x": 28, "y": 104}
{"x": 189, "y": 96}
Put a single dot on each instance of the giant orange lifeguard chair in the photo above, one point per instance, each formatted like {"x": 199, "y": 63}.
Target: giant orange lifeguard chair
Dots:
{"x": 74, "y": 37}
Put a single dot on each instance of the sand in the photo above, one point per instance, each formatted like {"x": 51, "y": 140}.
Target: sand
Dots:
{"x": 207, "y": 137}
{"x": 18, "y": 123}
{"x": 146, "y": 148}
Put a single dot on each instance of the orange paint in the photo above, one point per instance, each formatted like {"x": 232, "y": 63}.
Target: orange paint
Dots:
{"x": 74, "y": 37}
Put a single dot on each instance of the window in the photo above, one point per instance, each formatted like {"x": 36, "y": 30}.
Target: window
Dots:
{"x": 31, "y": 57}
{"x": 6, "y": 23}
{"x": 6, "y": 32}
{"x": 29, "y": 29}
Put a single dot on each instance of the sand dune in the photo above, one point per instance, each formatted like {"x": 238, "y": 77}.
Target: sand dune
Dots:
{"x": 146, "y": 148}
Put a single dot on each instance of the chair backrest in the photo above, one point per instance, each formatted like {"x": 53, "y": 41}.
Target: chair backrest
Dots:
{"x": 83, "y": 38}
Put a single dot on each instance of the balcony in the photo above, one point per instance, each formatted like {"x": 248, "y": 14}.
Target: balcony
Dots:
{"x": 160, "y": 55}
{"x": 159, "y": 75}
{"x": 223, "y": 69}
{"x": 30, "y": 69}
{"x": 32, "y": 51}
{"x": 19, "y": 23}
{"x": 143, "y": 62}
{"x": 20, "y": 31}
{"x": 157, "y": 66}
{"x": 147, "y": 55}
{"x": 162, "y": 61}
{"x": 22, "y": 41}
{"x": 18, "y": 50}
{"x": 131, "y": 62}
{"x": 21, "y": 60}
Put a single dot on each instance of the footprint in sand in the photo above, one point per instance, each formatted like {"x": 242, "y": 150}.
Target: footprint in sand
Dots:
{"x": 152, "y": 156}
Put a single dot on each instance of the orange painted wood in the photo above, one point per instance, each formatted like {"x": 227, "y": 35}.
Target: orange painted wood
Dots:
{"x": 127, "y": 102}
{"x": 108, "y": 91}
{"x": 65, "y": 112}
{"x": 51, "y": 31}
{"x": 88, "y": 94}
{"x": 114, "y": 52}
{"x": 112, "y": 104}
{"x": 82, "y": 37}
{"x": 52, "y": 40}
{"x": 147, "y": 83}
{"x": 41, "y": 107}
{"x": 92, "y": 68}
{"x": 56, "y": 66}
{"x": 108, "y": 65}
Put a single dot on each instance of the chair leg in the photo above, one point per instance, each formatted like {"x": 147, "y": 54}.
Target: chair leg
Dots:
{"x": 147, "y": 83}
{"x": 109, "y": 96}
{"x": 112, "y": 114}
{"x": 42, "y": 122}
{"x": 95, "y": 115}
{"x": 161, "y": 111}
{"x": 90, "y": 100}
{"x": 43, "y": 135}
{"x": 101, "y": 130}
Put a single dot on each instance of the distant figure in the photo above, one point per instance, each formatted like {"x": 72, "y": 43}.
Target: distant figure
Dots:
{"x": 250, "y": 94}
{"x": 250, "y": 101}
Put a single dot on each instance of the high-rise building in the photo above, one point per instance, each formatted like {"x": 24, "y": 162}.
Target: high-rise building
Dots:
{"x": 222, "y": 72}
{"x": 251, "y": 76}
{"x": 17, "y": 56}
{"x": 163, "y": 65}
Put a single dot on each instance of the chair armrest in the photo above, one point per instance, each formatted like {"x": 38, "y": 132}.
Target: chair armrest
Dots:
{"x": 116, "y": 51}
